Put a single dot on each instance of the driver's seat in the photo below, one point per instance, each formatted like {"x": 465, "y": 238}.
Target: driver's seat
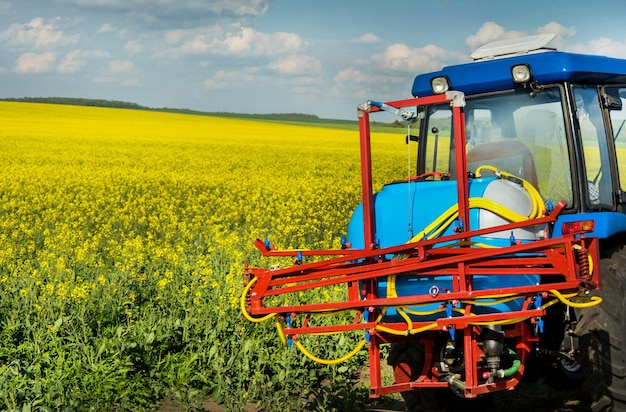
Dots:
{"x": 507, "y": 155}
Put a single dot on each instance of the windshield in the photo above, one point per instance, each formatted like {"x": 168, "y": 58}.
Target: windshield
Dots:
{"x": 514, "y": 132}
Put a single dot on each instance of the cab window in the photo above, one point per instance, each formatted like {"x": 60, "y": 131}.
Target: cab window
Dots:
{"x": 439, "y": 150}
{"x": 594, "y": 141}
{"x": 524, "y": 136}
{"x": 617, "y": 113}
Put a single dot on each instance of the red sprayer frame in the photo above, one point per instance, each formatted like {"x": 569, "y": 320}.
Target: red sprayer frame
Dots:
{"x": 565, "y": 264}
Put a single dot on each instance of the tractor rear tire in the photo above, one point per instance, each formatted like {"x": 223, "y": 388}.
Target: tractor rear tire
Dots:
{"x": 602, "y": 333}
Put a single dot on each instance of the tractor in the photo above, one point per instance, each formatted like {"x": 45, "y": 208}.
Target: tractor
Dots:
{"x": 502, "y": 254}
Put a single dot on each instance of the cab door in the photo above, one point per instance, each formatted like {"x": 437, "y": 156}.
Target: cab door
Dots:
{"x": 614, "y": 100}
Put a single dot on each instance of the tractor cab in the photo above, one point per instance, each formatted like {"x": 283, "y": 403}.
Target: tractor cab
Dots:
{"x": 554, "y": 119}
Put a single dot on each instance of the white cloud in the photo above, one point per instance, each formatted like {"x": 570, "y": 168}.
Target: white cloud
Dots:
{"x": 491, "y": 31}
{"x": 35, "y": 63}
{"x": 71, "y": 64}
{"x": 134, "y": 82}
{"x": 235, "y": 40}
{"x": 222, "y": 79}
{"x": 562, "y": 33}
{"x": 214, "y": 84}
{"x": 120, "y": 72}
{"x": 386, "y": 72}
{"x": 281, "y": 42}
{"x": 558, "y": 29}
{"x": 237, "y": 43}
{"x": 368, "y": 38}
{"x": 155, "y": 10}
{"x": 173, "y": 37}
{"x": 247, "y": 41}
{"x": 602, "y": 46}
{"x": 195, "y": 45}
{"x": 238, "y": 7}
{"x": 104, "y": 78}
{"x": 297, "y": 65}
{"x": 353, "y": 75}
{"x": 106, "y": 28}
{"x": 488, "y": 32}
{"x": 133, "y": 47}
{"x": 121, "y": 66}
{"x": 401, "y": 58}
{"x": 36, "y": 34}
{"x": 95, "y": 54}
{"x": 356, "y": 83}
{"x": 77, "y": 59}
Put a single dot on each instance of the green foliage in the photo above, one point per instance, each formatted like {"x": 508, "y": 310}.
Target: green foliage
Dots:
{"x": 122, "y": 239}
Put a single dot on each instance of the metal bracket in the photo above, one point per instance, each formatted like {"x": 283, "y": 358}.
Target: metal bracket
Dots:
{"x": 457, "y": 99}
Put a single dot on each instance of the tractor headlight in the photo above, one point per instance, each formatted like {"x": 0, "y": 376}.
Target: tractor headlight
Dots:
{"x": 521, "y": 73}
{"x": 440, "y": 85}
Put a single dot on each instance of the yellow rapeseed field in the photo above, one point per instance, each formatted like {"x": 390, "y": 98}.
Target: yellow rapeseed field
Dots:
{"x": 122, "y": 238}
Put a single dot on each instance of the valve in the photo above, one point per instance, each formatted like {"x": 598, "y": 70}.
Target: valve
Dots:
{"x": 298, "y": 259}
{"x": 538, "y": 321}
{"x": 452, "y": 333}
{"x": 459, "y": 227}
{"x": 345, "y": 244}
{"x": 289, "y": 337}
{"x": 450, "y": 306}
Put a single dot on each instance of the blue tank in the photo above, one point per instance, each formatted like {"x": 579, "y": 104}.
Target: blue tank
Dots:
{"x": 403, "y": 210}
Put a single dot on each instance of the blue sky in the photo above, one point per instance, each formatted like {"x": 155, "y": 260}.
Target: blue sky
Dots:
{"x": 319, "y": 57}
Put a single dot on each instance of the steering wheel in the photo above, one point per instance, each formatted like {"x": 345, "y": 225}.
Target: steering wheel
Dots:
{"x": 424, "y": 176}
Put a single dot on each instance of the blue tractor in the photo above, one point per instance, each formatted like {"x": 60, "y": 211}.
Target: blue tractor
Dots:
{"x": 502, "y": 253}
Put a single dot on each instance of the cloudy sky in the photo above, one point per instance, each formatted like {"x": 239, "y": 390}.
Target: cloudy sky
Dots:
{"x": 270, "y": 56}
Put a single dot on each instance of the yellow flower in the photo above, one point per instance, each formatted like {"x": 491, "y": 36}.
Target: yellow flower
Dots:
{"x": 162, "y": 283}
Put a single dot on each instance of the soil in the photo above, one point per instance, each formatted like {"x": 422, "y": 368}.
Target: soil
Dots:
{"x": 539, "y": 397}
{"x": 532, "y": 397}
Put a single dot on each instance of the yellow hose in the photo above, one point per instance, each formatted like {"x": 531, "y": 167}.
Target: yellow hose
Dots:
{"x": 591, "y": 300}
{"x": 492, "y": 303}
{"x": 422, "y": 313}
{"x": 329, "y": 361}
{"x": 283, "y": 338}
{"x": 407, "y": 319}
{"x": 537, "y": 200}
{"x": 281, "y": 331}
{"x": 242, "y": 305}
{"x": 396, "y": 332}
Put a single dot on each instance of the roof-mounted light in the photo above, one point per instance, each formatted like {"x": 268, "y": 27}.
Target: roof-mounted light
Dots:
{"x": 521, "y": 73}
{"x": 440, "y": 85}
